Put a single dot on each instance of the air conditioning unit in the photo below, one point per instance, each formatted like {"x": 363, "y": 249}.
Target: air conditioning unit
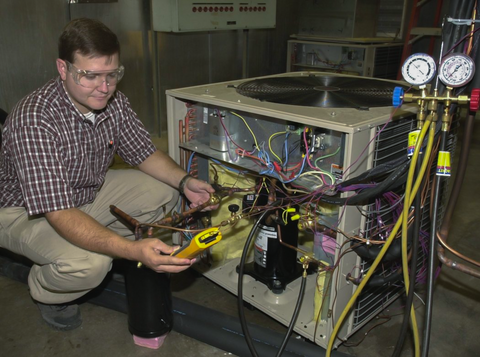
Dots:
{"x": 379, "y": 60}
{"x": 345, "y": 125}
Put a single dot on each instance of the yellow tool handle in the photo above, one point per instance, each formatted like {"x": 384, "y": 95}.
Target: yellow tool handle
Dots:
{"x": 199, "y": 243}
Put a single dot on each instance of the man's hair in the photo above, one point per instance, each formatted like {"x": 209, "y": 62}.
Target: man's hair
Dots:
{"x": 87, "y": 37}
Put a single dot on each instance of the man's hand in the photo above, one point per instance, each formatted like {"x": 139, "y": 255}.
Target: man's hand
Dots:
{"x": 161, "y": 166}
{"x": 198, "y": 192}
{"x": 155, "y": 254}
{"x": 82, "y": 230}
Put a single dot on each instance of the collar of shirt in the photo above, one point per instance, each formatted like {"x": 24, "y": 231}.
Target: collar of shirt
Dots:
{"x": 99, "y": 114}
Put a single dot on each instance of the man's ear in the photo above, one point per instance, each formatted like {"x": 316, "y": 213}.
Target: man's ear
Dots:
{"x": 62, "y": 69}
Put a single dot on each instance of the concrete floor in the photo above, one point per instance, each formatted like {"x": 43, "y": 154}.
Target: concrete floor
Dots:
{"x": 104, "y": 331}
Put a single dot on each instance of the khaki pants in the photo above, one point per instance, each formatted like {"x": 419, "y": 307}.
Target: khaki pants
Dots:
{"x": 63, "y": 272}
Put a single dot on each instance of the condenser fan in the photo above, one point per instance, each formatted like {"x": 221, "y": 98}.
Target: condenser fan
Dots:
{"x": 321, "y": 91}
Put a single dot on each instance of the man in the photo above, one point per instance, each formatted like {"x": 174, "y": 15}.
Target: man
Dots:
{"x": 55, "y": 186}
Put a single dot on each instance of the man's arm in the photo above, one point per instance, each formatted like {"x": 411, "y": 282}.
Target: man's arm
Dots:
{"x": 162, "y": 167}
{"x": 85, "y": 232}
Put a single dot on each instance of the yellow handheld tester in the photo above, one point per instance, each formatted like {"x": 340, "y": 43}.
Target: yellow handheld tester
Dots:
{"x": 199, "y": 243}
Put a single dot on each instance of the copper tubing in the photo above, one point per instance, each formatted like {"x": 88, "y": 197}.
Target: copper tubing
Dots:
{"x": 444, "y": 229}
{"x": 181, "y": 135}
{"x": 136, "y": 225}
{"x": 271, "y": 198}
{"x": 130, "y": 220}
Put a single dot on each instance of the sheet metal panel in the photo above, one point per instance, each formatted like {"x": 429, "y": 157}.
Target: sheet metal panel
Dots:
{"x": 28, "y": 46}
{"x": 154, "y": 62}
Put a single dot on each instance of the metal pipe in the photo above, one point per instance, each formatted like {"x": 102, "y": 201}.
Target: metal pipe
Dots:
{"x": 457, "y": 185}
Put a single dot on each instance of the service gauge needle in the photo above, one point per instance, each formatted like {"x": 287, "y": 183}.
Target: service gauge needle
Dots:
{"x": 418, "y": 69}
{"x": 456, "y": 69}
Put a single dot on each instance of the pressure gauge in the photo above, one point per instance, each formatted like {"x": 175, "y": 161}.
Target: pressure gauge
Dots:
{"x": 456, "y": 70}
{"x": 419, "y": 69}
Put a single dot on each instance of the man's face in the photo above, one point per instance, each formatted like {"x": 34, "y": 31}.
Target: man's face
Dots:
{"x": 96, "y": 97}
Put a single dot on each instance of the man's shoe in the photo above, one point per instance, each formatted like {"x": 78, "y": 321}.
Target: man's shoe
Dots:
{"x": 61, "y": 317}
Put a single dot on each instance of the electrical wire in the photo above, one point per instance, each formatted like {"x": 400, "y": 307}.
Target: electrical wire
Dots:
{"x": 387, "y": 209}
{"x": 270, "y": 144}
{"x": 444, "y": 229}
{"x": 307, "y": 157}
{"x": 296, "y": 312}
{"x": 355, "y": 344}
{"x": 431, "y": 259}
{"x": 458, "y": 254}
{"x": 410, "y": 292}
{"x": 394, "y": 179}
{"x": 406, "y": 208}
{"x": 377, "y": 134}
{"x": 241, "y": 311}
{"x": 389, "y": 240}
{"x": 248, "y": 127}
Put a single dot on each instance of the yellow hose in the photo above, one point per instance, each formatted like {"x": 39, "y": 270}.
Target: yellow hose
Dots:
{"x": 392, "y": 235}
{"x": 406, "y": 209}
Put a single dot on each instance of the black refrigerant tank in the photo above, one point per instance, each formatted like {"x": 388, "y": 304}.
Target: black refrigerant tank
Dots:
{"x": 274, "y": 264}
{"x": 149, "y": 301}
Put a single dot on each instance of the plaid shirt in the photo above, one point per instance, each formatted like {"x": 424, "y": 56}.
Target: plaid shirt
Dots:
{"x": 53, "y": 158}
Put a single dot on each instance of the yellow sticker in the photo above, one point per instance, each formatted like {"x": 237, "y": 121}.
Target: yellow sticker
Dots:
{"x": 412, "y": 141}
{"x": 443, "y": 164}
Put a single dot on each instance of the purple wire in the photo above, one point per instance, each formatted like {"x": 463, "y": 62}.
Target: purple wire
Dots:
{"x": 471, "y": 33}
{"x": 366, "y": 147}
{"x": 308, "y": 158}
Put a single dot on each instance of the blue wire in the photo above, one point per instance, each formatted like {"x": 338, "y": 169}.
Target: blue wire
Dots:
{"x": 189, "y": 165}
{"x": 286, "y": 149}
{"x": 263, "y": 155}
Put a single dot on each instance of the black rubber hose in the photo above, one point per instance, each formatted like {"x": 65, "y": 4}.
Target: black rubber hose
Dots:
{"x": 460, "y": 9}
{"x": 427, "y": 321}
{"x": 413, "y": 270}
{"x": 395, "y": 178}
{"x": 370, "y": 252}
{"x": 375, "y": 171}
{"x": 241, "y": 312}
{"x": 296, "y": 312}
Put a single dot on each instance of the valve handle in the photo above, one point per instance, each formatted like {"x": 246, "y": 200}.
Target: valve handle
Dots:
{"x": 474, "y": 99}
{"x": 233, "y": 208}
{"x": 397, "y": 96}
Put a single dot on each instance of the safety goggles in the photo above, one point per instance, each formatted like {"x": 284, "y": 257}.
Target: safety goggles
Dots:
{"x": 94, "y": 79}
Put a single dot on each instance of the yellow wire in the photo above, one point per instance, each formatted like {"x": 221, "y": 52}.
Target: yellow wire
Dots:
{"x": 270, "y": 144}
{"x": 295, "y": 190}
{"x": 320, "y": 178}
{"x": 405, "y": 213}
{"x": 251, "y": 132}
{"x": 285, "y": 216}
{"x": 258, "y": 195}
{"x": 320, "y": 172}
{"x": 389, "y": 240}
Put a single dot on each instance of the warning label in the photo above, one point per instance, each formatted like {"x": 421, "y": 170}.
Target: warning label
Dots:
{"x": 261, "y": 244}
